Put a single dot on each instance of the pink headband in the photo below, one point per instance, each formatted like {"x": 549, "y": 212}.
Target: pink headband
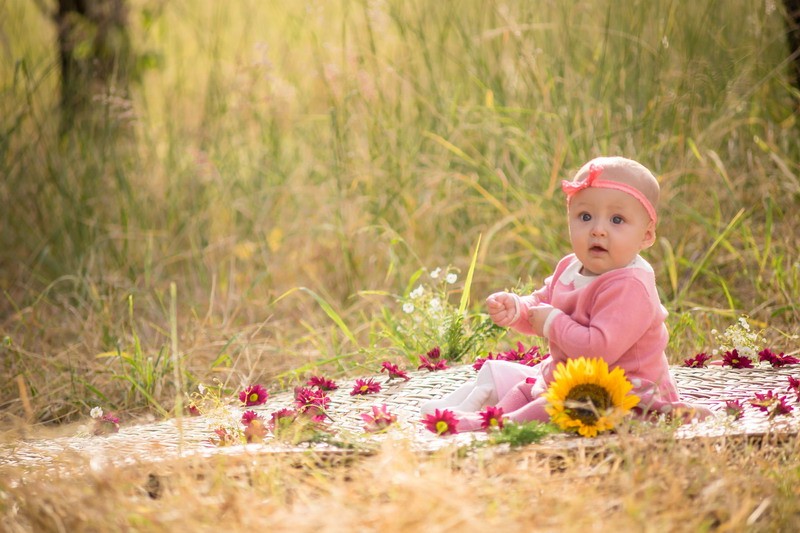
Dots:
{"x": 571, "y": 188}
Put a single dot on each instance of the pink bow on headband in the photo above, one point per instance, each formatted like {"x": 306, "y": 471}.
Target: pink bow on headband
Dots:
{"x": 571, "y": 188}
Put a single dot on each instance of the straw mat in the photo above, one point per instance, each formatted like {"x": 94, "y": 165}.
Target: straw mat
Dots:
{"x": 174, "y": 439}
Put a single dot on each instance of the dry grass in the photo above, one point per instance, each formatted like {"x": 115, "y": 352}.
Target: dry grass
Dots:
{"x": 628, "y": 484}
{"x": 341, "y": 147}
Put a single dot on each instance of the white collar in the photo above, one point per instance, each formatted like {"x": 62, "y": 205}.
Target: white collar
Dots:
{"x": 572, "y": 274}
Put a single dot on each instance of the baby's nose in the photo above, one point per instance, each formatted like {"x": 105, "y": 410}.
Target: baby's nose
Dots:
{"x": 598, "y": 229}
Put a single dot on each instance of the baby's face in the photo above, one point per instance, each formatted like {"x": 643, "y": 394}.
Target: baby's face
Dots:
{"x": 608, "y": 228}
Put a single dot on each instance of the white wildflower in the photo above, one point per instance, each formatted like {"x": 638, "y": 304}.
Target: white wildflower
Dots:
{"x": 451, "y": 278}
{"x": 436, "y": 272}
{"x": 96, "y": 412}
{"x": 419, "y": 291}
{"x": 435, "y": 304}
{"x": 201, "y": 388}
{"x": 408, "y": 307}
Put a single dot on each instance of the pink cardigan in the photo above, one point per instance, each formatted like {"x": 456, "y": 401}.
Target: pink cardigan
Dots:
{"x": 616, "y": 316}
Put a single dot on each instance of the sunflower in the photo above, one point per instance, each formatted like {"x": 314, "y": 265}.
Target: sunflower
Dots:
{"x": 585, "y": 397}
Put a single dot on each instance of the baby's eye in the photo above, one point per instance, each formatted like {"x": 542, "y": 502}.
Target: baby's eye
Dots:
{"x": 617, "y": 219}
{"x": 586, "y": 217}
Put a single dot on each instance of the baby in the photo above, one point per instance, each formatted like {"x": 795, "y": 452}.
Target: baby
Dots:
{"x": 601, "y": 301}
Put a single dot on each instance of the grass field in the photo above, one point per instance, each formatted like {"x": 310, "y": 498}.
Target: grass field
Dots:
{"x": 283, "y": 174}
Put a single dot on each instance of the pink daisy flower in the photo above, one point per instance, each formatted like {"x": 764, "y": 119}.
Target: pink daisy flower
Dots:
{"x": 492, "y": 418}
{"x": 108, "y": 423}
{"x": 733, "y": 359}
{"x": 322, "y": 383}
{"x": 734, "y": 409}
{"x": 480, "y": 361}
{"x": 441, "y": 422}
{"x": 431, "y": 366}
{"x": 698, "y": 361}
{"x": 253, "y": 395}
{"x": 778, "y": 360}
{"x": 379, "y": 420}
{"x": 530, "y": 357}
{"x": 249, "y": 416}
{"x": 255, "y": 431}
{"x": 224, "y": 437}
{"x": 312, "y": 402}
{"x": 794, "y": 386}
{"x": 365, "y": 386}
{"x": 772, "y": 404}
{"x": 282, "y": 418}
{"x": 394, "y": 371}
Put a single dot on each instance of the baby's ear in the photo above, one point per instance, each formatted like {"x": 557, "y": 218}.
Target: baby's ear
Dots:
{"x": 649, "y": 235}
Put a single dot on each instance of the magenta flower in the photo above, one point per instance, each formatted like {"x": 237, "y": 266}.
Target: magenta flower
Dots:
{"x": 698, "y": 361}
{"x": 253, "y": 395}
{"x": 394, "y": 371}
{"x": 441, "y": 422}
{"x": 255, "y": 431}
{"x": 322, "y": 383}
{"x": 492, "y": 418}
{"x": 193, "y": 410}
{"x": 734, "y": 409}
{"x": 312, "y": 402}
{"x": 480, "y": 361}
{"x": 431, "y": 366}
{"x": 108, "y": 423}
{"x": 777, "y": 360}
{"x": 434, "y": 353}
{"x": 733, "y": 359}
{"x": 772, "y": 404}
{"x": 282, "y": 418}
{"x": 249, "y": 416}
{"x": 379, "y": 420}
{"x": 530, "y": 357}
{"x": 224, "y": 437}
{"x": 794, "y": 386}
{"x": 365, "y": 386}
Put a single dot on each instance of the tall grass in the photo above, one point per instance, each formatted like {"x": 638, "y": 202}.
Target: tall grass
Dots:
{"x": 342, "y": 146}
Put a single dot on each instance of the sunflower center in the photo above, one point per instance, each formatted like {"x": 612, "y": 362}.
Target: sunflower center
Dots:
{"x": 587, "y": 402}
{"x": 441, "y": 426}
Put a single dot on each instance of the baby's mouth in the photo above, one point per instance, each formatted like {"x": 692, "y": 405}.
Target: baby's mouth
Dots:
{"x": 597, "y": 249}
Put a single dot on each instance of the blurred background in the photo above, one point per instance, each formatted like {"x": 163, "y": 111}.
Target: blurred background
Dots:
{"x": 292, "y": 168}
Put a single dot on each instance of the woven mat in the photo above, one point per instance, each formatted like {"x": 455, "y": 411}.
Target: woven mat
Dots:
{"x": 189, "y": 436}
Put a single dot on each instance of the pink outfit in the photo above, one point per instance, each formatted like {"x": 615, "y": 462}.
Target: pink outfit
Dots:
{"x": 616, "y": 316}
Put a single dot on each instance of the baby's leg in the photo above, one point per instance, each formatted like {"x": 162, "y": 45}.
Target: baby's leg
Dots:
{"x": 534, "y": 410}
{"x": 473, "y": 392}
{"x": 519, "y": 396}
{"x": 494, "y": 380}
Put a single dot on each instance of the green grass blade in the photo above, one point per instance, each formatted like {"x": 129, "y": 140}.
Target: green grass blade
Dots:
{"x": 329, "y": 310}
{"x": 462, "y": 306}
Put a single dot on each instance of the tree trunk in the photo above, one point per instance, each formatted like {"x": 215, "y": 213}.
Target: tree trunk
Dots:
{"x": 95, "y": 56}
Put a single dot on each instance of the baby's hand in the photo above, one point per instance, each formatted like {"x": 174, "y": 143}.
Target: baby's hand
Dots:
{"x": 503, "y": 308}
{"x": 537, "y": 316}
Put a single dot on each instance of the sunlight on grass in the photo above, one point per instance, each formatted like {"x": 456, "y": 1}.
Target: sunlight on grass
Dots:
{"x": 280, "y": 176}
